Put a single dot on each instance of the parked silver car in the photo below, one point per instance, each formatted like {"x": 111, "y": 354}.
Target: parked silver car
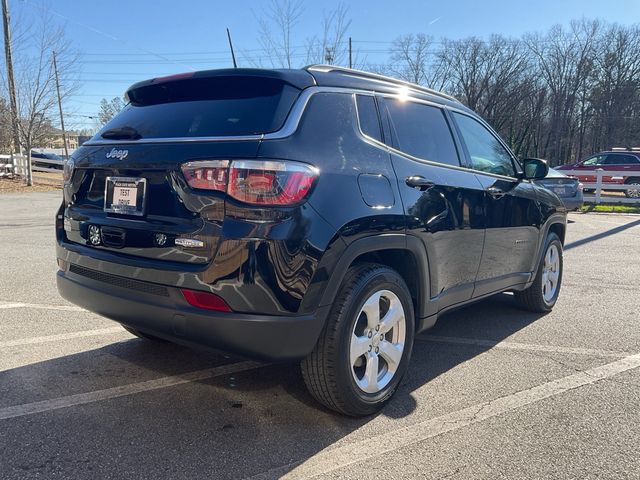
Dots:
{"x": 569, "y": 189}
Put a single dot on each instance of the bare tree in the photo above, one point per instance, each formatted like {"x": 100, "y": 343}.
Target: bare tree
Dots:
{"x": 331, "y": 46}
{"x": 612, "y": 103}
{"x": 6, "y": 126}
{"x": 35, "y": 82}
{"x": 283, "y": 47}
{"x": 565, "y": 59}
{"x": 109, "y": 109}
{"x": 276, "y": 24}
{"x": 410, "y": 58}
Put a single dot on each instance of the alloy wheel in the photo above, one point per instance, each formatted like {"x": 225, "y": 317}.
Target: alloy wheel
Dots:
{"x": 377, "y": 341}
{"x": 635, "y": 192}
{"x": 550, "y": 273}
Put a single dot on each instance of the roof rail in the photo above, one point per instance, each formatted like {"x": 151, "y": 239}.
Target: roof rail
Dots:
{"x": 376, "y": 76}
{"x": 625, "y": 149}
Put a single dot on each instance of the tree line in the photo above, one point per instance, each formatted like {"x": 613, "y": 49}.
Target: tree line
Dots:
{"x": 560, "y": 94}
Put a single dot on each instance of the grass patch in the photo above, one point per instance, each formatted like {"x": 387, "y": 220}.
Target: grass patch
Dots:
{"x": 610, "y": 208}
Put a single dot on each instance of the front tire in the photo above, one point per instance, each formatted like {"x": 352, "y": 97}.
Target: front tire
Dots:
{"x": 364, "y": 349}
{"x": 542, "y": 295}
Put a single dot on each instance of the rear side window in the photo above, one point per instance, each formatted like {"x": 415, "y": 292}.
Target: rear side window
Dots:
{"x": 368, "y": 116}
{"x": 203, "y": 107}
{"x": 422, "y": 131}
{"x": 618, "y": 159}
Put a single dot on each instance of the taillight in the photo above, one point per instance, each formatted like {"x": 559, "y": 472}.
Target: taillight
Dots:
{"x": 67, "y": 171}
{"x": 207, "y": 175}
{"x": 258, "y": 182}
{"x": 205, "y": 300}
{"x": 270, "y": 182}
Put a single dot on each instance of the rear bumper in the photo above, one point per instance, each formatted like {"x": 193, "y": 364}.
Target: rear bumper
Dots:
{"x": 163, "y": 312}
{"x": 573, "y": 203}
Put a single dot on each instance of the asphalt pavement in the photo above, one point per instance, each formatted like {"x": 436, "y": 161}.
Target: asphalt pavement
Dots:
{"x": 493, "y": 391}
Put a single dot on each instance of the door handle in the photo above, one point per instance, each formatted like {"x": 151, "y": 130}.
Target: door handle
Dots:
{"x": 419, "y": 182}
{"x": 496, "y": 192}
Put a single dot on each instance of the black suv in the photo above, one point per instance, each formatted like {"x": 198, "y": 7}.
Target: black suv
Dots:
{"x": 322, "y": 214}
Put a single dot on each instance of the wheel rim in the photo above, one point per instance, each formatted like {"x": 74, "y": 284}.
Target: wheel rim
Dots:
{"x": 550, "y": 273}
{"x": 377, "y": 341}
{"x": 635, "y": 193}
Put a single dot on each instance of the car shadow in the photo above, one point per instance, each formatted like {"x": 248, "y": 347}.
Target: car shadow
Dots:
{"x": 233, "y": 426}
{"x": 601, "y": 235}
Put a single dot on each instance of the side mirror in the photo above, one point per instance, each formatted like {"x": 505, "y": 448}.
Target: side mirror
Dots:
{"x": 535, "y": 168}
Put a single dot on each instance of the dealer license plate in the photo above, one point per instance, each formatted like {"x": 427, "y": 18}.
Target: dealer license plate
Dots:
{"x": 125, "y": 195}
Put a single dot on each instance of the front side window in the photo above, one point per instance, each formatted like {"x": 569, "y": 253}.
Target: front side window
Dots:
{"x": 486, "y": 152}
{"x": 597, "y": 160}
{"x": 422, "y": 131}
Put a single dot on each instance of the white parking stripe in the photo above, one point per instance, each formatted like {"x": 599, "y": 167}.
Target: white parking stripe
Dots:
{"x": 11, "y": 305}
{"x": 333, "y": 459}
{"x": 521, "y": 346}
{"x": 62, "y": 336}
{"x": 66, "y": 308}
{"x": 124, "y": 390}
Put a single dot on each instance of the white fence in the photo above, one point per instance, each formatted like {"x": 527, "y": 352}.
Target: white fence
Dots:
{"x": 15, "y": 165}
{"x": 599, "y": 186}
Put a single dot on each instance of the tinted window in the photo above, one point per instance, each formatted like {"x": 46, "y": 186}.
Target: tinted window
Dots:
{"x": 617, "y": 159}
{"x": 422, "y": 131}
{"x": 486, "y": 152}
{"x": 368, "y": 116}
{"x": 200, "y": 107}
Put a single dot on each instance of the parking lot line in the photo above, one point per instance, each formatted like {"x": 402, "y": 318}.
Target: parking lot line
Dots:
{"x": 61, "y": 336}
{"x": 66, "y": 308}
{"x": 521, "y": 346}
{"x": 124, "y": 390}
{"x": 333, "y": 459}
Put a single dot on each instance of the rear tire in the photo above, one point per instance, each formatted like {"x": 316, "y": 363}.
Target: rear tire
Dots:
{"x": 543, "y": 293}
{"x": 144, "y": 336}
{"x": 365, "y": 347}
{"x": 633, "y": 193}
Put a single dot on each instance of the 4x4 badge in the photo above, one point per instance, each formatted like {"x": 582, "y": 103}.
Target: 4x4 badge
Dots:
{"x": 119, "y": 154}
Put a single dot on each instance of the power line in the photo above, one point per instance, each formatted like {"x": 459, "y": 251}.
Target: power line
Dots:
{"x": 107, "y": 35}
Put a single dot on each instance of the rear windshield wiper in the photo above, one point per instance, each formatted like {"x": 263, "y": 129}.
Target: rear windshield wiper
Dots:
{"x": 122, "y": 133}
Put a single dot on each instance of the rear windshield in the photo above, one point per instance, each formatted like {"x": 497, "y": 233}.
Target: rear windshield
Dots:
{"x": 204, "y": 107}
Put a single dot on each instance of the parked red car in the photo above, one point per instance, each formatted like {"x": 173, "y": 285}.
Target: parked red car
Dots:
{"x": 616, "y": 160}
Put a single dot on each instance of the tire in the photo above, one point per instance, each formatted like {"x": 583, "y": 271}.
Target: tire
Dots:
{"x": 334, "y": 374}
{"x": 539, "y": 297}
{"x": 144, "y": 336}
{"x": 633, "y": 193}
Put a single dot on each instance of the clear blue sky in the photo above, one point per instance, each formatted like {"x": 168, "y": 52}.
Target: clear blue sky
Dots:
{"x": 115, "y": 37}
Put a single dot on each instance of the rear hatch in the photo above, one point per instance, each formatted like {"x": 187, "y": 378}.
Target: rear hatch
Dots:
{"x": 128, "y": 194}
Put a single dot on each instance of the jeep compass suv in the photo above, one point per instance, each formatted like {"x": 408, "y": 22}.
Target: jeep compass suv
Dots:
{"x": 322, "y": 214}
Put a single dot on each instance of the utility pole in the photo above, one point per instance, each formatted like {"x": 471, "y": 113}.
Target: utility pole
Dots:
{"x": 328, "y": 55}
{"x": 233, "y": 55}
{"x": 350, "y": 51}
{"x": 64, "y": 133}
{"x": 12, "y": 86}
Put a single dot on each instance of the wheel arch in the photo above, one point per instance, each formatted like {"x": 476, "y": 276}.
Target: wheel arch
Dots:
{"x": 405, "y": 254}
{"x": 557, "y": 224}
